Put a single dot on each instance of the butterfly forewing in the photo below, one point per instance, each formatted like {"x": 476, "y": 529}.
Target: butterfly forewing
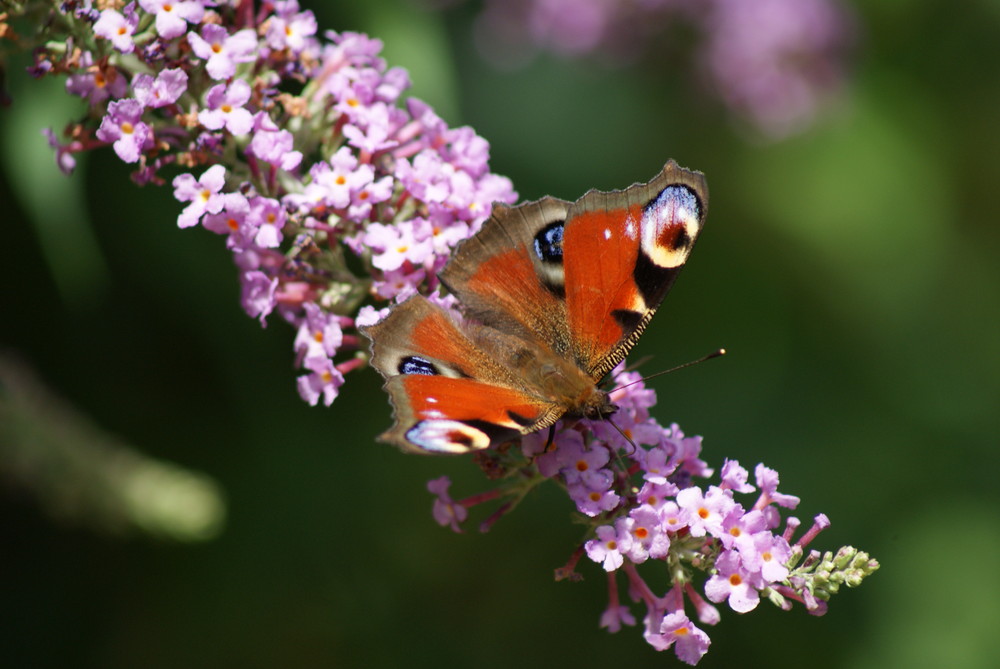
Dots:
{"x": 623, "y": 251}
{"x": 441, "y": 377}
{"x": 457, "y": 415}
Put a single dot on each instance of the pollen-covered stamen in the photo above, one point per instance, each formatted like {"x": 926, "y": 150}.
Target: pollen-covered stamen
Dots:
{"x": 735, "y": 580}
{"x": 127, "y": 128}
{"x": 640, "y": 532}
{"x": 216, "y": 47}
{"x": 736, "y": 532}
{"x": 681, "y": 631}
{"x": 703, "y": 513}
{"x": 226, "y": 108}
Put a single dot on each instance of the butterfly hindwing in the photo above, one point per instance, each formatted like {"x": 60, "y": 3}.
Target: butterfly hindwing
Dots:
{"x": 448, "y": 394}
{"x": 509, "y": 276}
{"x": 622, "y": 252}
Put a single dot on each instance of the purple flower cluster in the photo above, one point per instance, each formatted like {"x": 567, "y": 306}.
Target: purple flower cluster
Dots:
{"x": 636, "y": 488}
{"x": 302, "y": 150}
{"x": 774, "y": 63}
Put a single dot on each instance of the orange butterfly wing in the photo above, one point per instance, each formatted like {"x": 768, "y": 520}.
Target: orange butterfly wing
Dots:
{"x": 449, "y": 395}
{"x": 503, "y": 283}
{"x": 623, "y": 251}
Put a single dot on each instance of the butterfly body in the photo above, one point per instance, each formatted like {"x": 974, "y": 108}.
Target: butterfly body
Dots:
{"x": 553, "y": 295}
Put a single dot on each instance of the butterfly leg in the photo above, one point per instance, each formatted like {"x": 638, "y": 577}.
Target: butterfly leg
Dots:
{"x": 622, "y": 433}
{"x": 552, "y": 436}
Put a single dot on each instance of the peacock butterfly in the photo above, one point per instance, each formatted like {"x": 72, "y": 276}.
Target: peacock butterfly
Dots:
{"x": 554, "y": 294}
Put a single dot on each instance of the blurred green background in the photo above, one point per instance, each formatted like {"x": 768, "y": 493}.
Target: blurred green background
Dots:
{"x": 851, "y": 271}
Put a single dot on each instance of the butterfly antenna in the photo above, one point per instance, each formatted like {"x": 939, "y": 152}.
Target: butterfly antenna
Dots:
{"x": 714, "y": 354}
{"x": 632, "y": 366}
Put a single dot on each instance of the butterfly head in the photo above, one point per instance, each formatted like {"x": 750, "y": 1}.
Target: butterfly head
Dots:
{"x": 597, "y": 405}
